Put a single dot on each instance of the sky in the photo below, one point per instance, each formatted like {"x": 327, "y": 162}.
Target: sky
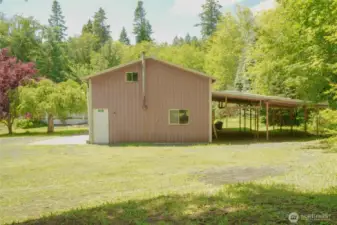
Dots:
{"x": 168, "y": 18}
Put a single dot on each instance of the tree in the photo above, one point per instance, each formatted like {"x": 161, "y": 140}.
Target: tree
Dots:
{"x": 80, "y": 48}
{"x": 178, "y": 41}
{"x": 13, "y": 73}
{"x": 210, "y": 16}
{"x": 142, "y": 27}
{"x": 54, "y": 100}
{"x": 87, "y": 28}
{"x": 294, "y": 54}
{"x": 123, "y": 37}
{"x": 52, "y": 62}
{"x": 22, "y": 36}
{"x": 56, "y": 21}
{"x": 224, "y": 52}
{"x": 100, "y": 28}
{"x": 188, "y": 38}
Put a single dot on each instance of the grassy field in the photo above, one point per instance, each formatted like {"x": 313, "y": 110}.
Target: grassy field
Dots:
{"x": 206, "y": 184}
{"x": 42, "y": 131}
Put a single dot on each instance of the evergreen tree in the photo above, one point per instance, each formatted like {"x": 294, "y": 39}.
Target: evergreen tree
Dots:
{"x": 209, "y": 17}
{"x": 123, "y": 38}
{"x": 99, "y": 27}
{"x": 142, "y": 27}
{"x": 177, "y": 41}
{"x": 56, "y": 21}
{"x": 188, "y": 39}
{"x": 87, "y": 28}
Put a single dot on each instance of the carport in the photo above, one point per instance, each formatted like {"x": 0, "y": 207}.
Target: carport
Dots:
{"x": 252, "y": 104}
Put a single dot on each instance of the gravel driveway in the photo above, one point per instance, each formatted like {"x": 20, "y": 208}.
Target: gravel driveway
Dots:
{"x": 73, "y": 140}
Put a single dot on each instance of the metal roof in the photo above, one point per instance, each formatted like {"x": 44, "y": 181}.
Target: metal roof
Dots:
{"x": 249, "y": 98}
{"x": 155, "y": 59}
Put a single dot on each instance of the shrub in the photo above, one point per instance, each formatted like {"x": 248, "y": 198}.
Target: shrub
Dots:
{"x": 29, "y": 123}
{"x": 327, "y": 121}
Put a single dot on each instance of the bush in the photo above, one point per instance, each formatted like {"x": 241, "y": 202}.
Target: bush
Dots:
{"x": 327, "y": 121}
{"x": 29, "y": 123}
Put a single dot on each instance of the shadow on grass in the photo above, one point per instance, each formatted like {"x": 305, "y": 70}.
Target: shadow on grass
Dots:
{"x": 69, "y": 132}
{"x": 236, "y": 204}
{"x": 233, "y": 136}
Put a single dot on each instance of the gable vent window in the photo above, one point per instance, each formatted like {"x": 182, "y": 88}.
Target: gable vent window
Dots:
{"x": 132, "y": 77}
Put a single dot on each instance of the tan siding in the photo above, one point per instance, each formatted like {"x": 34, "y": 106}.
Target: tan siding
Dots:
{"x": 166, "y": 88}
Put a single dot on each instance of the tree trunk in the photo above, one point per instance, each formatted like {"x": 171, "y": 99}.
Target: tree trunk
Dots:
{"x": 50, "y": 123}
{"x": 9, "y": 125}
{"x": 10, "y": 128}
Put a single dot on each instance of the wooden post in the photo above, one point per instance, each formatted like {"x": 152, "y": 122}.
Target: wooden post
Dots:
{"x": 240, "y": 118}
{"x": 273, "y": 118}
{"x": 250, "y": 118}
{"x": 292, "y": 121}
{"x": 227, "y": 113}
{"x": 244, "y": 118}
{"x": 281, "y": 119}
{"x": 255, "y": 122}
{"x": 317, "y": 122}
{"x": 258, "y": 122}
{"x": 305, "y": 119}
{"x": 267, "y": 120}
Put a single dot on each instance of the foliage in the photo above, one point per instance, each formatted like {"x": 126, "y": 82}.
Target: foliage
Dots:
{"x": 57, "y": 22}
{"x": 55, "y": 100}
{"x": 210, "y": 16}
{"x": 13, "y": 73}
{"x": 123, "y": 37}
{"x": 327, "y": 121}
{"x": 53, "y": 62}
{"x": 99, "y": 27}
{"x": 29, "y": 123}
{"x": 224, "y": 51}
{"x": 142, "y": 28}
{"x": 23, "y": 37}
{"x": 294, "y": 50}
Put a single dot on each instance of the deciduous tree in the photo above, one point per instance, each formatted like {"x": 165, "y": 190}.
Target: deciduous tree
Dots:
{"x": 54, "y": 100}
{"x": 13, "y": 73}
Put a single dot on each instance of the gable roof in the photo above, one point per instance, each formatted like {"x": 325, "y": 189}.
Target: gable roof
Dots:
{"x": 195, "y": 72}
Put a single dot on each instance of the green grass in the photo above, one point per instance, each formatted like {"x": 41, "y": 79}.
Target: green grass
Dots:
{"x": 42, "y": 131}
{"x": 166, "y": 185}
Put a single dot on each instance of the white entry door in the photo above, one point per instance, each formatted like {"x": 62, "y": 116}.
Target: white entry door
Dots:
{"x": 101, "y": 126}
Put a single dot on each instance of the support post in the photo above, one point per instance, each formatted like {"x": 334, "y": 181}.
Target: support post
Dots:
{"x": 267, "y": 120}
{"x": 255, "y": 121}
{"x": 227, "y": 114}
{"x": 305, "y": 119}
{"x": 240, "y": 118}
{"x": 244, "y": 118}
{"x": 317, "y": 122}
{"x": 273, "y": 118}
{"x": 258, "y": 121}
{"x": 291, "y": 121}
{"x": 250, "y": 118}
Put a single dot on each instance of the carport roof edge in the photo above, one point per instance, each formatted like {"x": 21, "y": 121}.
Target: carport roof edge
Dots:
{"x": 244, "y": 97}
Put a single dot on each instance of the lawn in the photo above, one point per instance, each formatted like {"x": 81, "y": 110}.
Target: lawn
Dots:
{"x": 42, "y": 131}
{"x": 203, "y": 184}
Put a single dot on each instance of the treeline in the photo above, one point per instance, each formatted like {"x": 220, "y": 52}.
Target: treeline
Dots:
{"x": 286, "y": 51}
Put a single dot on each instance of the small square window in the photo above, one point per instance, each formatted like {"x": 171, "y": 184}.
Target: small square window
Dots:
{"x": 179, "y": 117}
{"x": 132, "y": 77}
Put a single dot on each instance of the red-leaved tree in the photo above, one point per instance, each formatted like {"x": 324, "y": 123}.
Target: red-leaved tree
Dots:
{"x": 13, "y": 73}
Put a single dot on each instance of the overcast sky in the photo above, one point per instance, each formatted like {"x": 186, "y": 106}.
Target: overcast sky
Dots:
{"x": 167, "y": 17}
